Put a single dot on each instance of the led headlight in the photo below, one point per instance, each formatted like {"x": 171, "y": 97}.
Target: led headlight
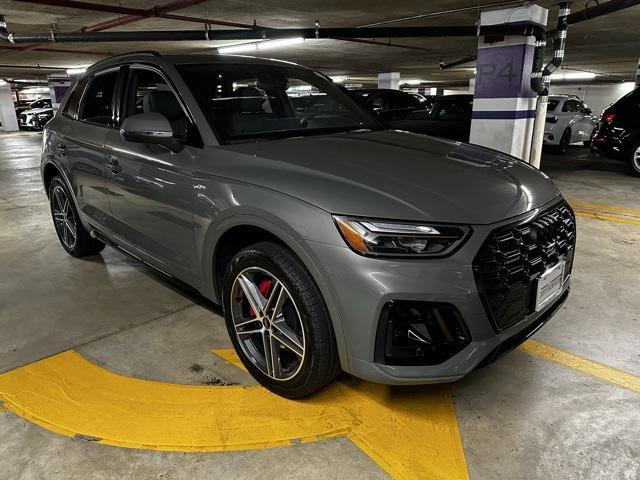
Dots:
{"x": 391, "y": 238}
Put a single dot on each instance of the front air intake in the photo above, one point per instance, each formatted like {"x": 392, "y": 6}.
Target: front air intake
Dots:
{"x": 419, "y": 333}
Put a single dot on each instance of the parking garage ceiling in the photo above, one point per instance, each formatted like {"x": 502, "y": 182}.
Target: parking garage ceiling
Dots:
{"x": 606, "y": 45}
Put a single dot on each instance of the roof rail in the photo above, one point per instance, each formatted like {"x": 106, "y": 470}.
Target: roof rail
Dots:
{"x": 138, "y": 52}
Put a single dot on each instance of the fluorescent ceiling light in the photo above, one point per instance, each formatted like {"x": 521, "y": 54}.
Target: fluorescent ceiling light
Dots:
{"x": 412, "y": 81}
{"x": 245, "y": 47}
{"x": 283, "y": 42}
{"x": 339, "y": 78}
{"x": 266, "y": 45}
{"x": 573, "y": 76}
{"x": 76, "y": 71}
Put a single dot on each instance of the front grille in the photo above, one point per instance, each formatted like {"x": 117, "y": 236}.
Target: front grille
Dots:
{"x": 515, "y": 256}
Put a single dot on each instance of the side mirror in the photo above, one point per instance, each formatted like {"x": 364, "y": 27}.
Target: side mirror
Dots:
{"x": 152, "y": 128}
{"x": 587, "y": 111}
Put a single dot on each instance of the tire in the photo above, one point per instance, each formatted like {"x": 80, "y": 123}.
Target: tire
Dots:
{"x": 565, "y": 140}
{"x": 634, "y": 160}
{"x": 286, "y": 291}
{"x": 72, "y": 235}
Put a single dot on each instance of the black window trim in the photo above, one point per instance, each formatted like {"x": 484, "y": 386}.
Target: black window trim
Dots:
{"x": 71, "y": 94}
{"x": 117, "y": 69}
{"x": 122, "y": 105}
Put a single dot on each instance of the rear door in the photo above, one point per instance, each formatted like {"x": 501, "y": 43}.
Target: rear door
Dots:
{"x": 80, "y": 147}
{"x": 151, "y": 188}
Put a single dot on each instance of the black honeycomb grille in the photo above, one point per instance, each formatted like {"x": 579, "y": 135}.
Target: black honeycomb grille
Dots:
{"x": 515, "y": 256}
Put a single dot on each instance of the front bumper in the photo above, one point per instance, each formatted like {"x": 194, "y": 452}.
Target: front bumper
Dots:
{"x": 361, "y": 287}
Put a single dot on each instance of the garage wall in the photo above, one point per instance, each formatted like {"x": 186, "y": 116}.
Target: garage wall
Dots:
{"x": 597, "y": 97}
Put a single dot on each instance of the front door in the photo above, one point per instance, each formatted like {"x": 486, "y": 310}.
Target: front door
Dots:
{"x": 151, "y": 188}
{"x": 81, "y": 145}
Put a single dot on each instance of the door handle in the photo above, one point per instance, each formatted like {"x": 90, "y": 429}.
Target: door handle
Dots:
{"x": 61, "y": 150}
{"x": 114, "y": 166}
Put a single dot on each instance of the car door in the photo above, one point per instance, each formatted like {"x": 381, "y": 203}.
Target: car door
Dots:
{"x": 80, "y": 143}
{"x": 151, "y": 188}
{"x": 584, "y": 122}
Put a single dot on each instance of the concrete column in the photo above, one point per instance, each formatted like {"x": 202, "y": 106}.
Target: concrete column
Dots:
{"x": 504, "y": 104}
{"x": 389, "y": 80}
{"x": 638, "y": 75}
{"x": 7, "y": 112}
{"x": 58, "y": 86}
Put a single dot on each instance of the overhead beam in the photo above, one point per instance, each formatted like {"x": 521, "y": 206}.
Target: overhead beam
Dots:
{"x": 164, "y": 9}
{"x": 132, "y": 15}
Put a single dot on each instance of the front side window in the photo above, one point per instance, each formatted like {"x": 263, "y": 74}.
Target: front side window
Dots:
{"x": 97, "y": 102}
{"x": 147, "y": 92}
{"x": 265, "y": 101}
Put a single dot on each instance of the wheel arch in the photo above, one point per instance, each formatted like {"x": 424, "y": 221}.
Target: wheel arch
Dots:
{"x": 237, "y": 232}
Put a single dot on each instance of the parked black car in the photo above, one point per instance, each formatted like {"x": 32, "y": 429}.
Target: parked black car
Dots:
{"x": 447, "y": 117}
{"x": 389, "y": 105}
{"x": 618, "y": 134}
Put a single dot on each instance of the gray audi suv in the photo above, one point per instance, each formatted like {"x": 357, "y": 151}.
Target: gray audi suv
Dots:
{"x": 330, "y": 242}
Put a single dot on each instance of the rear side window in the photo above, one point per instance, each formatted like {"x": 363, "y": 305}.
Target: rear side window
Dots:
{"x": 571, "y": 106}
{"x": 71, "y": 109}
{"x": 552, "y": 105}
{"x": 401, "y": 100}
{"x": 97, "y": 102}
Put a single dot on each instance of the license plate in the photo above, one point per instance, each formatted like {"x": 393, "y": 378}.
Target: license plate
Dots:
{"x": 549, "y": 285}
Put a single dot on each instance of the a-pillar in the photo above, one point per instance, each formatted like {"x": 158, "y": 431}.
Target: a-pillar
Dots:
{"x": 389, "y": 80}
{"x": 504, "y": 104}
{"x": 7, "y": 110}
{"x": 638, "y": 75}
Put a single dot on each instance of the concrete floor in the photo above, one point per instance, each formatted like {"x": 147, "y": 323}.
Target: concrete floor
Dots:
{"x": 522, "y": 417}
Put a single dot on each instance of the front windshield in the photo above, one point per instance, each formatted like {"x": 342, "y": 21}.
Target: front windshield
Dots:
{"x": 249, "y": 101}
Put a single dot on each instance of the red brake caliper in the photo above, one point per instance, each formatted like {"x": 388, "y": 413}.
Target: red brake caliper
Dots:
{"x": 264, "y": 286}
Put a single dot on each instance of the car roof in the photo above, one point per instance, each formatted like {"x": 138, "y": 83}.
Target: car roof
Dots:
{"x": 187, "y": 58}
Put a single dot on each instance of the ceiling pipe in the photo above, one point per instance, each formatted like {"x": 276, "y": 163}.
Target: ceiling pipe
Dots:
{"x": 540, "y": 83}
{"x": 385, "y": 44}
{"x": 253, "y": 34}
{"x": 455, "y": 63}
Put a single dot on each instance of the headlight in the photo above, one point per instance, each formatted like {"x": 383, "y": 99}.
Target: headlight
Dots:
{"x": 43, "y": 116}
{"x": 391, "y": 238}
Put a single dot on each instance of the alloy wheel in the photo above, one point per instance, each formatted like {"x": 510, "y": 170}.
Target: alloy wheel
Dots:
{"x": 267, "y": 323}
{"x": 636, "y": 160}
{"x": 63, "y": 217}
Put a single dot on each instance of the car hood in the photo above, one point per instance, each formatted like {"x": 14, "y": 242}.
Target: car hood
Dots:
{"x": 391, "y": 174}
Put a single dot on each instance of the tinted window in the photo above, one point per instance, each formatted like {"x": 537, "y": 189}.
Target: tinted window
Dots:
{"x": 454, "y": 109}
{"x": 402, "y": 100}
{"x": 96, "y": 105}
{"x": 552, "y": 105}
{"x": 572, "y": 106}
{"x": 74, "y": 101}
{"x": 252, "y": 100}
{"x": 149, "y": 92}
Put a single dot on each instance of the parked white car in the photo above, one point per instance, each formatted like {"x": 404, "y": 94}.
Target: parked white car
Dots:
{"x": 569, "y": 121}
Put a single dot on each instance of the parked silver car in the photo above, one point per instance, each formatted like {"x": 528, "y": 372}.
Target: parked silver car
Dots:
{"x": 330, "y": 242}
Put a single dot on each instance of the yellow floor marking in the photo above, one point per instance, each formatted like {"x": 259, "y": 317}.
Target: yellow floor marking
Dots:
{"x": 583, "y": 365}
{"x": 605, "y": 212}
{"x": 410, "y": 432}
{"x": 605, "y": 208}
{"x": 229, "y": 355}
{"x": 609, "y": 218}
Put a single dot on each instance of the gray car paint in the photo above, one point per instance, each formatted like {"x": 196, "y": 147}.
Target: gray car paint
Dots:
{"x": 172, "y": 209}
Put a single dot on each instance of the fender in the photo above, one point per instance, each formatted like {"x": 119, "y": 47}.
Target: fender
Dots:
{"x": 292, "y": 240}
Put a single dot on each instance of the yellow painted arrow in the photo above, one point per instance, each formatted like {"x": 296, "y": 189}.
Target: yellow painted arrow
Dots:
{"x": 410, "y": 432}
